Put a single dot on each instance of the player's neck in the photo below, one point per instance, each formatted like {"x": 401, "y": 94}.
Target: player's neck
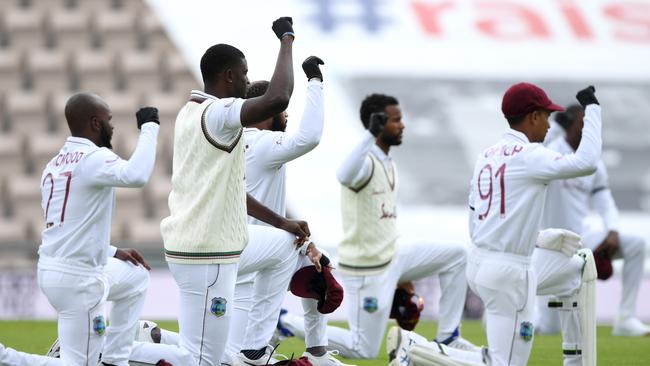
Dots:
{"x": 216, "y": 91}
{"x": 383, "y": 146}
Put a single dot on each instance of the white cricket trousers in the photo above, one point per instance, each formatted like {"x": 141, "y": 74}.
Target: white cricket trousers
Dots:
{"x": 312, "y": 325}
{"x": 265, "y": 270}
{"x": 633, "y": 253}
{"x": 506, "y": 283}
{"x": 369, "y": 298}
{"x": 206, "y": 299}
{"x": 79, "y": 301}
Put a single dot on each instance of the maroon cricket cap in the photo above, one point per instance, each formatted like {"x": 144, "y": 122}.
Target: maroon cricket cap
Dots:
{"x": 322, "y": 286}
{"x": 523, "y": 98}
{"x": 603, "y": 267}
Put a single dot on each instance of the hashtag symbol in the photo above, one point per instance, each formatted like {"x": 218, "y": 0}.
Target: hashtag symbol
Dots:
{"x": 330, "y": 14}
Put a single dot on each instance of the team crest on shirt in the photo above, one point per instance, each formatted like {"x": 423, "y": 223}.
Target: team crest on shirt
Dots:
{"x": 218, "y": 306}
{"x": 526, "y": 331}
{"x": 99, "y": 325}
{"x": 370, "y": 304}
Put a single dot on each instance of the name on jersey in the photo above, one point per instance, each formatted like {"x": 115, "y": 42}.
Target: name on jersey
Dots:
{"x": 504, "y": 150}
{"x": 68, "y": 158}
{"x": 387, "y": 214}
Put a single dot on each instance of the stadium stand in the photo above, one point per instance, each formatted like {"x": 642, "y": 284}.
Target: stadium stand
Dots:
{"x": 50, "y": 49}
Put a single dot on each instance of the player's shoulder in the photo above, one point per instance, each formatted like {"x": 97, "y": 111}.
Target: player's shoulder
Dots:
{"x": 255, "y": 135}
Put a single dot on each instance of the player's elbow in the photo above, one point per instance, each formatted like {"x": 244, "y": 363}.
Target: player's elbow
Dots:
{"x": 278, "y": 103}
{"x": 138, "y": 180}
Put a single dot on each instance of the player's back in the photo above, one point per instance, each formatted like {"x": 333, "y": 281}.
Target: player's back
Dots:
{"x": 77, "y": 212}
{"x": 506, "y": 202}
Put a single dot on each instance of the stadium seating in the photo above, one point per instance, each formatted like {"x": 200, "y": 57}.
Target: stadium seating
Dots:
{"x": 50, "y": 49}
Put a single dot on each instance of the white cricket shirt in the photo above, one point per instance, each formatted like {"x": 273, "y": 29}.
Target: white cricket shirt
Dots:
{"x": 78, "y": 195}
{"x": 508, "y": 186}
{"x": 568, "y": 200}
{"x": 268, "y": 151}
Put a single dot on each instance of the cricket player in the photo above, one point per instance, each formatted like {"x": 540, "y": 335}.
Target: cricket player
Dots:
{"x": 371, "y": 261}
{"x": 268, "y": 150}
{"x": 206, "y": 231}
{"x": 78, "y": 269}
{"x": 567, "y": 205}
{"x": 506, "y": 200}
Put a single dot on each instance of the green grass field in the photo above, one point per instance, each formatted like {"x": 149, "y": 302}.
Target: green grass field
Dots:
{"x": 36, "y": 337}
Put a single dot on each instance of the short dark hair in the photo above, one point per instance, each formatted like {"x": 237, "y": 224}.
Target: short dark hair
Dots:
{"x": 568, "y": 117}
{"x": 217, "y": 59}
{"x": 257, "y": 89}
{"x": 513, "y": 121}
{"x": 374, "y": 103}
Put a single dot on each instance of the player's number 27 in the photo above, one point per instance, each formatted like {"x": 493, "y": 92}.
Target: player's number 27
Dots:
{"x": 49, "y": 176}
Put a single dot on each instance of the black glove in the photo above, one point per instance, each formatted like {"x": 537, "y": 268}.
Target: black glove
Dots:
{"x": 586, "y": 96}
{"x": 147, "y": 114}
{"x": 283, "y": 26}
{"x": 377, "y": 123}
{"x": 311, "y": 69}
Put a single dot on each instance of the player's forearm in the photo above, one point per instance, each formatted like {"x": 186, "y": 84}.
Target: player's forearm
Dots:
{"x": 604, "y": 204}
{"x": 136, "y": 171}
{"x": 356, "y": 167}
{"x": 259, "y": 211}
{"x": 313, "y": 117}
{"x": 587, "y": 155}
{"x": 309, "y": 132}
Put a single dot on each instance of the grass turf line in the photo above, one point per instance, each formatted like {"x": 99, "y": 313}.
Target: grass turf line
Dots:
{"x": 37, "y": 336}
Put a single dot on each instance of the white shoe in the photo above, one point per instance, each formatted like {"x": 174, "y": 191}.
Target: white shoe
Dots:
{"x": 55, "y": 350}
{"x": 325, "y": 360}
{"x": 631, "y": 327}
{"x": 397, "y": 346}
{"x": 463, "y": 344}
{"x": 264, "y": 360}
{"x": 143, "y": 333}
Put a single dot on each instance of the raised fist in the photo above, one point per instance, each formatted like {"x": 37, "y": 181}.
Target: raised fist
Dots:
{"x": 147, "y": 114}
{"x": 283, "y": 27}
{"x": 377, "y": 123}
{"x": 311, "y": 68}
{"x": 586, "y": 96}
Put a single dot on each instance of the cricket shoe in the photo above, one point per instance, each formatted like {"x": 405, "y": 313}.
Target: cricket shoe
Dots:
{"x": 630, "y": 327}
{"x": 266, "y": 359}
{"x": 147, "y": 331}
{"x": 55, "y": 350}
{"x": 281, "y": 331}
{"x": 458, "y": 342}
{"x": 327, "y": 359}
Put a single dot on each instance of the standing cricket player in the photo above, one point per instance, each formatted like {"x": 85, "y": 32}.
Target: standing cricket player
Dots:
{"x": 206, "y": 231}
{"x": 78, "y": 196}
{"x": 506, "y": 200}
{"x": 567, "y": 205}
{"x": 370, "y": 260}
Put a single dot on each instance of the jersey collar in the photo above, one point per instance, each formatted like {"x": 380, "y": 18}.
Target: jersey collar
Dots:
{"x": 516, "y": 135}
{"x": 380, "y": 154}
{"x": 80, "y": 140}
{"x": 202, "y": 94}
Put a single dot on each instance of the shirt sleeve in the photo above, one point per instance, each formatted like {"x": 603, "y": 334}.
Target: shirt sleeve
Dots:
{"x": 546, "y": 165}
{"x": 105, "y": 168}
{"x": 223, "y": 119}
{"x": 111, "y": 251}
{"x": 602, "y": 200}
{"x": 357, "y": 167}
{"x": 284, "y": 147}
